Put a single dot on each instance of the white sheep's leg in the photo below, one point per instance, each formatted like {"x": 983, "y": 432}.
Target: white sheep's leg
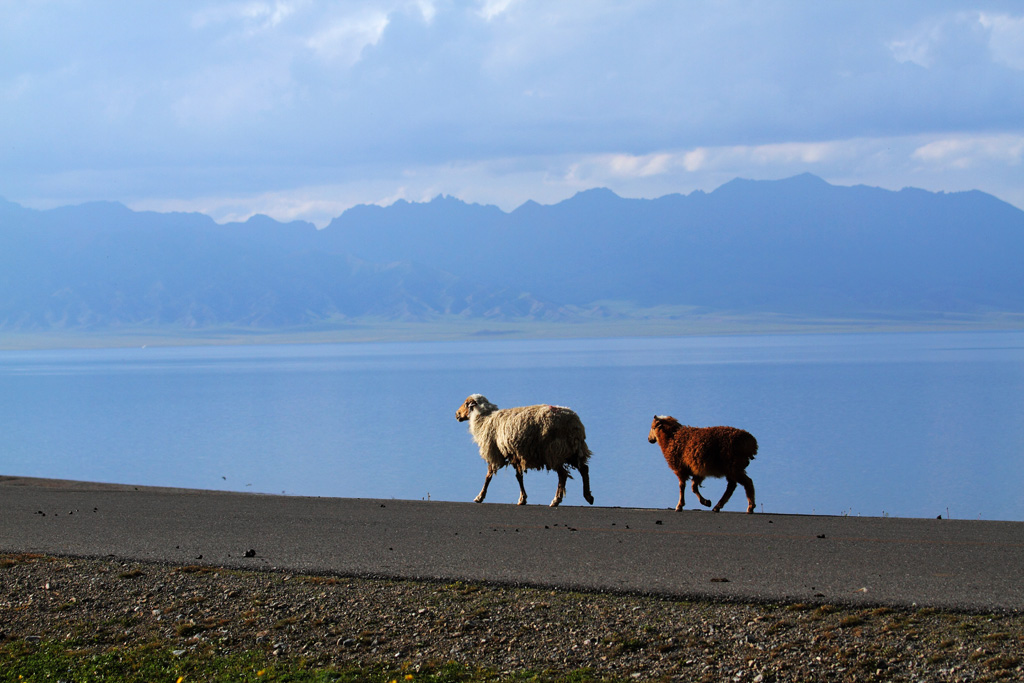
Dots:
{"x": 748, "y": 486}
{"x": 522, "y": 488}
{"x": 585, "y": 476}
{"x": 487, "y": 482}
{"x": 725, "y": 497}
{"x": 697, "y": 481}
{"x": 560, "y": 491}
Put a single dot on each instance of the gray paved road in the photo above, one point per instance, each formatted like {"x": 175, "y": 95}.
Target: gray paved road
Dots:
{"x": 942, "y": 563}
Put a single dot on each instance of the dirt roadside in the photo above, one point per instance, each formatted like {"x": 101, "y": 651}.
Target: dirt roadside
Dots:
{"x": 106, "y": 603}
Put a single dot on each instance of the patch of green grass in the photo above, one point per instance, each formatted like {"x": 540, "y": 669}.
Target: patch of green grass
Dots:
{"x": 622, "y": 644}
{"x": 779, "y": 626}
{"x": 323, "y": 580}
{"x": 461, "y": 587}
{"x": 1002, "y": 662}
{"x": 20, "y": 558}
{"x": 187, "y": 629}
{"x": 27, "y": 662}
{"x": 286, "y": 622}
{"x": 799, "y": 607}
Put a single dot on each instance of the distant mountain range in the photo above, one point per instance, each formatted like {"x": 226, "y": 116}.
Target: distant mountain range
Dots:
{"x": 798, "y": 247}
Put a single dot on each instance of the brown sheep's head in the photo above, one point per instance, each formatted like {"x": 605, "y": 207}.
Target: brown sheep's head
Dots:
{"x": 661, "y": 423}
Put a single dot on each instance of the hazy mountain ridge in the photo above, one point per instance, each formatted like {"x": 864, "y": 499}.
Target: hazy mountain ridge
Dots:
{"x": 797, "y": 246}
{"x": 101, "y": 265}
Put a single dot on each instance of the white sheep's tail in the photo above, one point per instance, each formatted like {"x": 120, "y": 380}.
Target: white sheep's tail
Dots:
{"x": 582, "y": 453}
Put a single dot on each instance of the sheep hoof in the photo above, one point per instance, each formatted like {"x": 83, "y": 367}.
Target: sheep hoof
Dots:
{"x": 478, "y": 499}
{"x": 589, "y": 498}
{"x": 707, "y": 504}
{"x": 716, "y": 509}
{"x": 679, "y": 508}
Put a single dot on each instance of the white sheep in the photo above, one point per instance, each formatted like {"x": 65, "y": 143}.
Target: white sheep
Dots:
{"x": 528, "y": 438}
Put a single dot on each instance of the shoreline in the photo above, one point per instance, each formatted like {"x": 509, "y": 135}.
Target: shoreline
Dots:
{"x": 55, "y": 483}
{"x": 360, "y": 332}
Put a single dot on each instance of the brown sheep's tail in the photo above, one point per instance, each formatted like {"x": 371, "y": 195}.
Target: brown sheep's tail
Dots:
{"x": 753, "y": 442}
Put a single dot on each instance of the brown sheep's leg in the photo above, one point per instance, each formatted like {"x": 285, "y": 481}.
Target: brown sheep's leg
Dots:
{"x": 522, "y": 488}
{"x": 487, "y": 482}
{"x": 584, "y": 471}
{"x": 560, "y": 491}
{"x": 728, "y": 494}
{"x": 682, "y": 492}
{"x": 748, "y": 486}
{"x": 697, "y": 481}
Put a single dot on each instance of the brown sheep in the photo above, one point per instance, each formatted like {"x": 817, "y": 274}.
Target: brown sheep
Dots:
{"x": 701, "y": 452}
{"x": 528, "y": 438}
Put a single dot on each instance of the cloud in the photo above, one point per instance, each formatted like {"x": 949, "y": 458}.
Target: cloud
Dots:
{"x": 921, "y": 46}
{"x": 789, "y": 152}
{"x": 427, "y": 10}
{"x": 966, "y": 152}
{"x": 929, "y": 162}
{"x": 500, "y": 100}
{"x": 695, "y": 160}
{"x": 489, "y": 9}
{"x": 16, "y": 87}
{"x": 229, "y": 98}
{"x": 963, "y": 37}
{"x": 628, "y": 166}
{"x": 344, "y": 40}
{"x": 253, "y": 15}
{"x": 1007, "y": 38}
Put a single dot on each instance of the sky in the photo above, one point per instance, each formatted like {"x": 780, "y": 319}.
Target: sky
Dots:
{"x": 299, "y": 109}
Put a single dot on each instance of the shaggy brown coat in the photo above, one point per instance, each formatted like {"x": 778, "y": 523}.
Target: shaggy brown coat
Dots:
{"x": 528, "y": 438}
{"x": 701, "y": 452}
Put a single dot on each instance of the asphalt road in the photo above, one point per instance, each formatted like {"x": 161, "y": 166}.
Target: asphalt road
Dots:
{"x": 971, "y": 565}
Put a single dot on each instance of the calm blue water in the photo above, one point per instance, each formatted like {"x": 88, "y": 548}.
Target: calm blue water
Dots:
{"x": 909, "y": 425}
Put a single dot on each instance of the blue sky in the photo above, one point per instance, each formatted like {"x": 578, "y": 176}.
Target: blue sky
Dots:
{"x": 299, "y": 109}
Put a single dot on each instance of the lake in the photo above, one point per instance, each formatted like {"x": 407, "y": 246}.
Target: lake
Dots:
{"x": 908, "y": 425}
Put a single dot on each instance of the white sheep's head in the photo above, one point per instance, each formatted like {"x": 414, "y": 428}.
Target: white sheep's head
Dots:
{"x": 475, "y": 402}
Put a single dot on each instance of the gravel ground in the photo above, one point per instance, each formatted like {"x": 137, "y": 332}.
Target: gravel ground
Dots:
{"x": 336, "y": 620}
